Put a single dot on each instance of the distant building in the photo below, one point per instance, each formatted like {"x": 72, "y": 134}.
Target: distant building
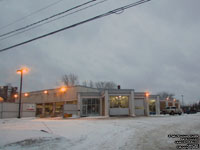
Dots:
{"x": 7, "y": 93}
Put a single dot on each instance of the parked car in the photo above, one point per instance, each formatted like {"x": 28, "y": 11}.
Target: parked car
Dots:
{"x": 172, "y": 110}
{"x": 191, "y": 111}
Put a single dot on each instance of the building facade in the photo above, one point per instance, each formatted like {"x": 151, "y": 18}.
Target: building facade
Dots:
{"x": 84, "y": 101}
{"x": 7, "y": 93}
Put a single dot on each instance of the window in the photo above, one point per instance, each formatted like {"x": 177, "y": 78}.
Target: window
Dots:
{"x": 90, "y": 106}
{"x": 48, "y": 109}
{"x": 59, "y": 108}
{"x": 39, "y": 108}
{"x": 119, "y": 101}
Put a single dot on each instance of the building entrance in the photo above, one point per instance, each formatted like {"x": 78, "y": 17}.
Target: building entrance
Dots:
{"x": 90, "y": 107}
{"x": 152, "y": 107}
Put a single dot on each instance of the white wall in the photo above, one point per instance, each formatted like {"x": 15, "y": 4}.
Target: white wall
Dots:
{"x": 10, "y": 110}
{"x": 70, "y": 109}
{"x": 119, "y": 111}
{"x": 139, "y": 107}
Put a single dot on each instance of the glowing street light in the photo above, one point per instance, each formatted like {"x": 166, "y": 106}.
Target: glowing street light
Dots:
{"x": 63, "y": 89}
{"x": 147, "y": 94}
{"x": 26, "y": 94}
{"x": 15, "y": 96}
{"x": 45, "y": 92}
{"x": 1, "y": 99}
{"x": 21, "y": 72}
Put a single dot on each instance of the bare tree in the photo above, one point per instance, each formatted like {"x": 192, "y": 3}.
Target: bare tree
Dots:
{"x": 85, "y": 83}
{"x": 73, "y": 79}
{"x": 110, "y": 85}
{"x": 70, "y": 79}
{"x": 100, "y": 84}
{"x": 164, "y": 95}
{"x": 88, "y": 84}
{"x": 65, "y": 79}
{"x": 106, "y": 85}
{"x": 91, "y": 84}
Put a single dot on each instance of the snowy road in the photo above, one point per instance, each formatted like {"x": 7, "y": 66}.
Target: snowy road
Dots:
{"x": 139, "y": 133}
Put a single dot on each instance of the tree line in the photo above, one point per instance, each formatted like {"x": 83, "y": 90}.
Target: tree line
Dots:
{"x": 72, "y": 80}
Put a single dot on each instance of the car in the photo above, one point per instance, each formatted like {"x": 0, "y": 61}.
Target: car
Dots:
{"x": 191, "y": 111}
{"x": 172, "y": 110}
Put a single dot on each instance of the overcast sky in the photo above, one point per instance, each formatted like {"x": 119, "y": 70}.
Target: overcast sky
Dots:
{"x": 153, "y": 46}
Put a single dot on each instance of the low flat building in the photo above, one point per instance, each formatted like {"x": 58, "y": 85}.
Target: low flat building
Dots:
{"x": 85, "y": 101}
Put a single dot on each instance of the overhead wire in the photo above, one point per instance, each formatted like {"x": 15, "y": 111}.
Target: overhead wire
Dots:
{"x": 115, "y": 11}
{"x": 53, "y": 20}
{"x": 32, "y": 13}
{"x": 45, "y": 19}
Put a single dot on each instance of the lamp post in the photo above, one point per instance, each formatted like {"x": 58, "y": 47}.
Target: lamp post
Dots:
{"x": 182, "y": 99}
{"x": 21, "y": 72}
{"x": 147, "y": 102}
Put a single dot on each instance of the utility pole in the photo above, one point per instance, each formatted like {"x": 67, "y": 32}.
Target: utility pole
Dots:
{"x": 182, "y": 100}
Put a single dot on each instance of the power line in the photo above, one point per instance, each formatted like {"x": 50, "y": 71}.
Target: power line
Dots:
{"x": 32, "y": 24}
{"x": 53, "y": 20}
{"x": 32, "y": 13}
{"x": 79, "y": 23}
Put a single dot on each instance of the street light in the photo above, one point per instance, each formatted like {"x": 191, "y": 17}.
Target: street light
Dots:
{"x": 63, "y": 89}
{"x": 26, "y": 94}
{"x": 21, "y": 72}
{"x": 147, "y": 94}
{"x": 45, "y": 92}
{"x": 182, "y": 99}
{"x": 15, "y": 96}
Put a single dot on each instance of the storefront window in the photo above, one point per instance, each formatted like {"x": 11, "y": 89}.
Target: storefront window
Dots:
{"x": 39, "y": 109}
{"x": 90, "y": 106}
{"x": 119, "y": 101}
{"x": 152, "y": 106}
{"x": 48, "y": 109}
{"x": 59, "y": 108}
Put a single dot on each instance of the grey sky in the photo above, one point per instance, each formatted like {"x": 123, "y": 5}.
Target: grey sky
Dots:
{"x": 153, "y": 46}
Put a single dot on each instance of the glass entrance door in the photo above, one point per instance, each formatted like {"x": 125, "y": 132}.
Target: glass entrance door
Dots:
{"x": 90, "y": 107}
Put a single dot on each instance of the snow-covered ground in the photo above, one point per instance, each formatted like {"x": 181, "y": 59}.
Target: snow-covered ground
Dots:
{"x": 124, "y": 133}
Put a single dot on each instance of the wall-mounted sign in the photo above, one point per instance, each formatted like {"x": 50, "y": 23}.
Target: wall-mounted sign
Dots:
{"x": 30, "y": 107}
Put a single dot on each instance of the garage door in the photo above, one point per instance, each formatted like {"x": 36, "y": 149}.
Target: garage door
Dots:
{"x": 139, "y": 107}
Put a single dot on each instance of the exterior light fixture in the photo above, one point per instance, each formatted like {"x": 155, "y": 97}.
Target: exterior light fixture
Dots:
{"x": 26, "y": 94}
{"x": 147, "y": 94}
{"x": 45, "y": 92}
{"x": 1, "y": 99}
{"x": 15, "y": 96}
{"x": 21, "y": 72}
{"x": 63, "y": 89}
